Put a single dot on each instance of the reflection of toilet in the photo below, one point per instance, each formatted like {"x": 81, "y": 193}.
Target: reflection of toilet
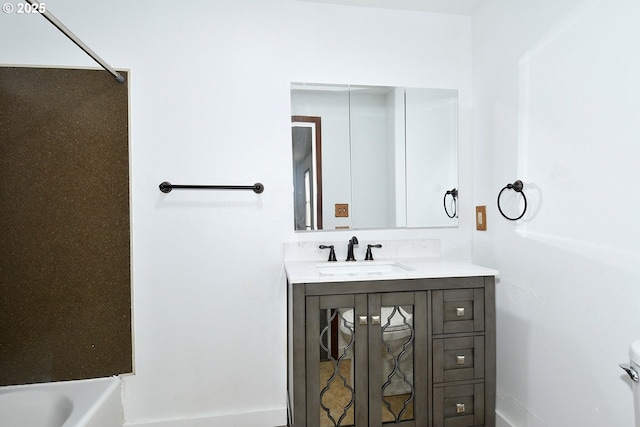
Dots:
{"x": 633, "y": 369}
{"x": 396, "y": 334}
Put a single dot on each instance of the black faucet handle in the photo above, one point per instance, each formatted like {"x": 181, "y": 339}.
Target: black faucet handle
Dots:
{"x": 332, "y": 252}
{"x": 369, "y": 255}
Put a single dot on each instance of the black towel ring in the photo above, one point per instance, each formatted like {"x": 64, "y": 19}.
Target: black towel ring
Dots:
{"x": 517, "y": 187}
{"x": 454, "y": 196}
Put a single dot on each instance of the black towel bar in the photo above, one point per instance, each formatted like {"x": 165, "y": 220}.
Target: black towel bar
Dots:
{"x": 257, "y": 188}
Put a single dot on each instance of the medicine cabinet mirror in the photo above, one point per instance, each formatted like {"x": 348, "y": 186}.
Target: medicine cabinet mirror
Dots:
{"x": 368, "y": 157}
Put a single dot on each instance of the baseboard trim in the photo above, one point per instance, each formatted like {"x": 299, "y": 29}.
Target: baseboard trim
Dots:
{"x": 268, "y": 418}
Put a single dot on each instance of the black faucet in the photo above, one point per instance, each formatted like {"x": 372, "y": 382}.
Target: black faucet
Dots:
{"x": 352, "y": 241}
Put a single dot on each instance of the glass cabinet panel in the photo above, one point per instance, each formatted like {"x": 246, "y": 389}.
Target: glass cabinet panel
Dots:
{"x": 392, "y": 338}
{"x": 337, "y": 393}
{"x": 396, "y": 381}
{"x": 332, "y": 341}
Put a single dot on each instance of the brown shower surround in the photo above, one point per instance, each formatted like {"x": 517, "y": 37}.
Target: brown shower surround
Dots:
{"x": 65, "y": 280}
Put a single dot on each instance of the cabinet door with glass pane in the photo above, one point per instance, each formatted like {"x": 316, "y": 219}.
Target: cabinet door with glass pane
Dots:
{"x": 336, "y": 352}
{"x": 398, "y": 359}
{"x": 366, "y": 359}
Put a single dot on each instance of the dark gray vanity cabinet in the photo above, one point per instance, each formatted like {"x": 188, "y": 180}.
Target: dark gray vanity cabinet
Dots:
{"x": 415, "y": 352}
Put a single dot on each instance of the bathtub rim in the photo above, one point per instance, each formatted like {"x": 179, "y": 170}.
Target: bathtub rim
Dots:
{"x": 88, "y": 396}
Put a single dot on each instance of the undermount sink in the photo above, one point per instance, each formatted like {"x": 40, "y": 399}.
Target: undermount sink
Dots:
{"x": 359, "y": 268}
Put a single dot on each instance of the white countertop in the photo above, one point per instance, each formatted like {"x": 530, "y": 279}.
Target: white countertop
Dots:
{"x": 413, "y": 268}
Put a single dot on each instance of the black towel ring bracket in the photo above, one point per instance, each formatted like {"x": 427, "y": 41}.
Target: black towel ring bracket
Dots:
{"x": 454, "y": 203}
{"x": 517, "y": 187}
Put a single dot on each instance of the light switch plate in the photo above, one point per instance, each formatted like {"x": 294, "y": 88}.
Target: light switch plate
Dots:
{"x": 481, "y": 218}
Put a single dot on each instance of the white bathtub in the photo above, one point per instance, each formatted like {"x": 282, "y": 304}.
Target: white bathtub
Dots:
{"x": 84, "y": 403}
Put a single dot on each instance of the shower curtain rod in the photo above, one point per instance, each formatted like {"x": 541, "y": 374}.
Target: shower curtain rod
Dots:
{"x": 60, "y": 26}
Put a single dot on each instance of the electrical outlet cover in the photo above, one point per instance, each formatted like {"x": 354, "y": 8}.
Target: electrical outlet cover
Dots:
{"x": 342, "y": 210}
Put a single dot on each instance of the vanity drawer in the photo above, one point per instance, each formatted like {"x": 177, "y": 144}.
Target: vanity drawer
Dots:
{"x": 458, "y": 310}
{"x": 458, "y": 359}
{"x": 458, "y": 406}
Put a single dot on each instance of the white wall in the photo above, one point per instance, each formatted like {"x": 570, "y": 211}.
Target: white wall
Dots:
{"x": 556, "y": 104}
{"x": 209, "y": 84}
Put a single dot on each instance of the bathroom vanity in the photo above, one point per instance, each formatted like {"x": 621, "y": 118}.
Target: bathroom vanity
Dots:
{"x": 404, "y": 341}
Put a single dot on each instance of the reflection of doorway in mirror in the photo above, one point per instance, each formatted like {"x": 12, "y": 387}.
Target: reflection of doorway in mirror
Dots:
{"x": 308, "y": 217}
{"x": 307, "y": 172}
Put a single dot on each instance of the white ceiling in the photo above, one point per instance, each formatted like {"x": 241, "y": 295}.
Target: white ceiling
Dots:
{"x": 458, "y": 7}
